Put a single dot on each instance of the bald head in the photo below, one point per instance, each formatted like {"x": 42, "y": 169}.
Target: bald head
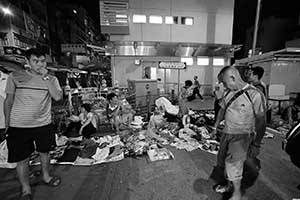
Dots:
{"x": 231, "y": 78}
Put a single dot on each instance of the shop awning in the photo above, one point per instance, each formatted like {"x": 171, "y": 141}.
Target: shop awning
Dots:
{"x": 290, "y": 53}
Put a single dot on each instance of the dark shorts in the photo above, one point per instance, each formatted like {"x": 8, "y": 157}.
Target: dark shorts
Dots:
{"x": 22, "y": 142}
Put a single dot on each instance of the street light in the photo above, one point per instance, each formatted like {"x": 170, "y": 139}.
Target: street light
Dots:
{"x": 6, "y": 11}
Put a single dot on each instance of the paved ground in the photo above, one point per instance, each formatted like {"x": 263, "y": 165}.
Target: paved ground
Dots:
{"x": 187, "y": 177}
{"x": 197, "y": 104}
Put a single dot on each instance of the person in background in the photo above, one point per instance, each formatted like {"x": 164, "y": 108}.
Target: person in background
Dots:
{"x": 196, "y": 82}
{"x": 119, "y": 111}
{"x": 127, "y": 113}
{"x": 189, "y": 91}
{"x": 243, "y": 111}
{"x": 27, "y": 110}
{"x": 254, "y": 77}
{"x": 113, "y": 110}
{"x": 219, "y": 93}
{"x": 3, "y": 79}
{"x": 74, "y": 123}
{"x": 89, "y": 121}
{"x": 197, "y": 85}
{"x": 291, "y": 114}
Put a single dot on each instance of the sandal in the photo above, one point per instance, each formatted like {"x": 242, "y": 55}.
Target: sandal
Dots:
{"x": 54, "y": 181}
{"x": 222, "y": 188}
{"x": 27, "y": 196}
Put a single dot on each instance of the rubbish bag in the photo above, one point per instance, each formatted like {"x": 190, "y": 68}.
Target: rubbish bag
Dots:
{"x": 291, "y": 144}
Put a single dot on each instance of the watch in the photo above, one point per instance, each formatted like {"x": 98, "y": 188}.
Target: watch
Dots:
{"x": 45, "y": 78}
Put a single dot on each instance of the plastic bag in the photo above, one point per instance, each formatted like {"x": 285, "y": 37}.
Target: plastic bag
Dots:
{"x": 4, "y": 156}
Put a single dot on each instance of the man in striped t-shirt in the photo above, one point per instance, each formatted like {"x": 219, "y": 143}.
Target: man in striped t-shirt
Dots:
{"x": 27, "y": 110}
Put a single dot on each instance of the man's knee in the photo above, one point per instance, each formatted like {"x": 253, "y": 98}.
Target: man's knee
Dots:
{"x": 234, "y": 170}
{"x": 23, "y": 163}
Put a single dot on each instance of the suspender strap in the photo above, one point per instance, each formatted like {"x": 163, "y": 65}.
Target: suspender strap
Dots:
{"x": 241, "y": 92}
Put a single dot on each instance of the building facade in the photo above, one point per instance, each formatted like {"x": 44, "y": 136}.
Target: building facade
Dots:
{"x": 145, "y": 32}
{"x": 25, "y": 26}
{"x": 70, "y": 25}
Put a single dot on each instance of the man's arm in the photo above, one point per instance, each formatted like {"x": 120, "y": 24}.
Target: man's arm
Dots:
{"x": 8, "y": 103}
{"x": 10, "y": 97}
{"x": 54, "y": 88}
{"x": 259, "y": 104}
{"x": 220, "y": 117}
{"x": 89, "y": 119}
{"x": 260, "y": 128}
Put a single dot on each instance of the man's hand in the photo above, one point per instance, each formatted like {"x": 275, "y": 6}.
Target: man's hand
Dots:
{"x": 254, "y": 151}
{"x": 6, "y": 126}
{"x": 43, "y": 71}
{"x": 3, "y": 135}
{"x": 214, "y": 133}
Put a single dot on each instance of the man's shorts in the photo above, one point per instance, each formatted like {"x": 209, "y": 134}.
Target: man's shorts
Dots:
{"x": 22, "y": 142}
{"x": 233, "y": 153}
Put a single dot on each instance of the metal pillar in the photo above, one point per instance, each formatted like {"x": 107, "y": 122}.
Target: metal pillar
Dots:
{"x": 256, "y": 27}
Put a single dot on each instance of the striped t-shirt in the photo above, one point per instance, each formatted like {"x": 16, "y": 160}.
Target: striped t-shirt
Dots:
{"x": 32, "y": 101}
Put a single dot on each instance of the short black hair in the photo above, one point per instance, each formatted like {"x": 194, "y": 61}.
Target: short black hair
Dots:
{"x": 34, "y": 52}
{"x": 87, "y": 107}
{"x": 110, "y": 96}
{"x": 258, "y": 70}
{"x": 188, "y": 83}
{"x": 221, "y": 72}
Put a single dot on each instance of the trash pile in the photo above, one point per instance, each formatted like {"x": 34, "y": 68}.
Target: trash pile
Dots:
{"x": 151, "y": 139}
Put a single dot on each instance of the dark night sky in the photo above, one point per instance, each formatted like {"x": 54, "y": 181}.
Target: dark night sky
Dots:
{"x": 245, "y": 11}
{"x": 92, "y": 6}
{"x": 244, "y": 14}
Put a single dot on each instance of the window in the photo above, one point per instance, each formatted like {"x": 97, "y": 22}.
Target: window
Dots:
{"x": 121, "y": 16}
{"x": 139, "y": 19}
{"x": 188, "y": 61}
{"x": 204, "y": 61}
{"x": 153, "y": 73}
{"x": 124, "y": 21}
{"x": 218, "y": 62}
{"x": 187, "y": 20}
{"x": 155, "y": 19}
{"x": 171, "y": 20}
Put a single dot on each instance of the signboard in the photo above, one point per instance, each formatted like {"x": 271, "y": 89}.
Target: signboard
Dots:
{"x": 74, "y": 48}
{"x": 10, "y": 50}
{"x": 32, "y": 28}
{"x": 172, "y": 65}
{"x": 14, "y": 53}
